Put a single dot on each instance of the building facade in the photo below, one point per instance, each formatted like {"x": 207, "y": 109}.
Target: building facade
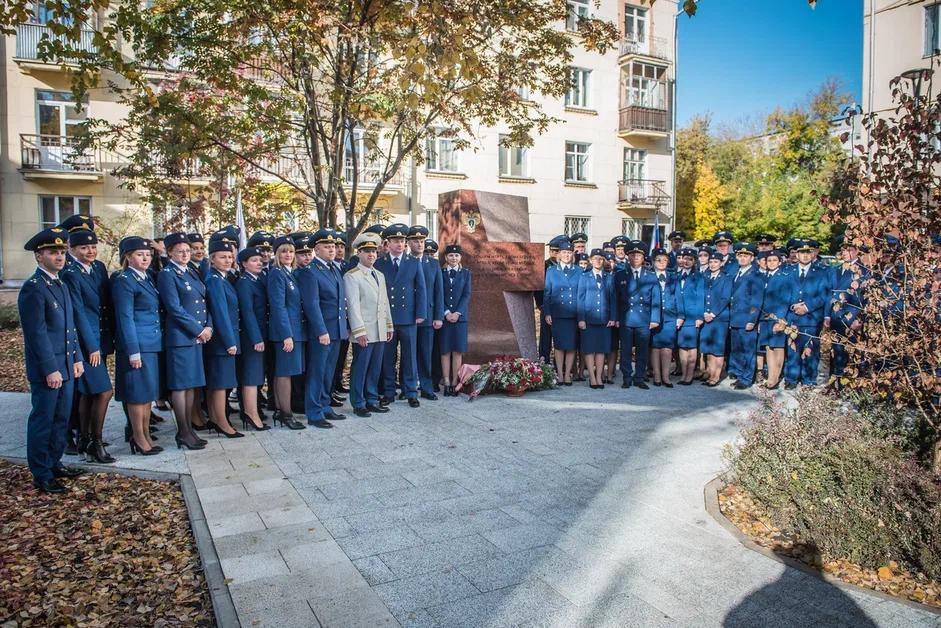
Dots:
{"x": 605, "y": 169}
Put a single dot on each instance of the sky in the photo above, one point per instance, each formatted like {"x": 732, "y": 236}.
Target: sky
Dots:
{"x": 740, "y": 59}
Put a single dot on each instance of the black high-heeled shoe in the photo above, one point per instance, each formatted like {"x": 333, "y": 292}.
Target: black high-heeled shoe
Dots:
{"x": 201, "y": 428}
{"x": 136, "y": 449}
{"x": 95, "y": 452}
{"x": 667, "y": 385}
{"x": 219, "y": 430}
{"x": 247, "y": 423}
{"x": 287, "y": 420}
{"x": 180, "y": 444}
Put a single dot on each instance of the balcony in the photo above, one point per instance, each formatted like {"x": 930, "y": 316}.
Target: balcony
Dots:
{"x": 635, "y": 120}
{"x": 656, "y": 48}
{"x": 368, "y": 177}
{"x": 28, "y": 37}
{"x": 58, "y": 157}
{"x": 642, "y": 194}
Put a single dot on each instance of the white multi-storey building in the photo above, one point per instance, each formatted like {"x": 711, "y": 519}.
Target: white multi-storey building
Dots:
{"x": 605, "y": 169}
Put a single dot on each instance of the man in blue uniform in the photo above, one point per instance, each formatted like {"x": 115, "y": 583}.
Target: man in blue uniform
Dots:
{"x": 408, "y": 299}
{"x": 676, "y": 239}
{"x": 579, "y": 242}
{"x": 434, "y": 315}
{"x": 199, "y": 262}
{"x": 53, "y": 359}
{"x": 846, "y": 303}
{"x": 638, "y": 306}
{"x": 545, "y": 331}
{"x": 744, "y": 309}
{"x": 338, "y": 389}
{"x": 810, "y": 298}
{"x": 722, "y": 243}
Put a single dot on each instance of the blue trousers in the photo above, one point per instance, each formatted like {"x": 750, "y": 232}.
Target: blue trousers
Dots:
{"x": 798, "y": 369}
{"x": 364, "y": 374}
{"x": 545, "y": 338}
{"x": 318, "y": 380}
{"x": 840, "y": 357}
{"x": 638, "y": 340}
{"x": 743, "y": 358}
{"x": 46, "y": 427}
{"x": 424, "y": 344}
{"x": 404, "y": 337}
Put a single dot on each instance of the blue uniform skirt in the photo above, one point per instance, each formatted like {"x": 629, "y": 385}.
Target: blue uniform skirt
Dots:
{"x": 565, "y": 333}
{"x": 95, "y": 379}
{"x": 184, "y": 367}
{"x": 665, "y": 336}
{"x": 767, "y": 337}
{"x": 220, "y": 372}
{"x": 251, "y": 366}
{"x": 453, "y": 337}
{"x": 596, "y": 339}
{"x": 713, "y": 337}
{"x": 138, "y": 385}
{"x": 288, "y": 364}
{"x": 687, "y": 337}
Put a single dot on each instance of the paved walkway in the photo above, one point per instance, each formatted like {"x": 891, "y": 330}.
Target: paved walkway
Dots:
{"x": 567, "y": 508}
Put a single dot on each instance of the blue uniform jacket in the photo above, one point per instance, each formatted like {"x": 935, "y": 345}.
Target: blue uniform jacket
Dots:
{"x": 284, "y": 306}
{"x": 224, "y": 309}
{"x": 183, "y": 297}
{"x": 638, "y": 301}
{"x": 50, "y": 336}
{"x": 596, "y": 303}
{"x": 847, "y": 295}
{"x": 323, "y": 300}
{"x": 201, "y": 268}
{"x": 671, "y": 299}
{"x": 689, "y": 296}
{"x": 747, "y": 295}
{"x": 137, "y": 314}
{"x": 434, "y": 289}
{"x": 408, "y": 298}
{"x": 813, "y": 291}
{"x": 253, "y": 309}
{"x": 717, "y": 294}
{"x": 91, "y": 301}
{"x": 457, "y": 292}
{"x": 560, "y": 296}
{"x": 778, "y": 296}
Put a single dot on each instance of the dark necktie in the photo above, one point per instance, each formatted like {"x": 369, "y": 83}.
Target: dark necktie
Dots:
{"x": 376, "y": 279}
{"x": 395, "y": 266}
{"x": 662, "y": 279}
{"x": 803, "y": 274}
{"x": 451, "y": 274}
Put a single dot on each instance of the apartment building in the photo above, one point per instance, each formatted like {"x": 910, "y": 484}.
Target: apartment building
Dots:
{"x": 605, "y": 169}
{"x": 900, "y": 37}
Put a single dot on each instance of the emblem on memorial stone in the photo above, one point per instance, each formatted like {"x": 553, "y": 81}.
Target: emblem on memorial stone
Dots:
{"x": 471, "y": 220}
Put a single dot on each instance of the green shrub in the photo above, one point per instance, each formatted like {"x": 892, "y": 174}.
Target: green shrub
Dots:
{"x": 9, "y": 317}
{"x": 825, "y": 470}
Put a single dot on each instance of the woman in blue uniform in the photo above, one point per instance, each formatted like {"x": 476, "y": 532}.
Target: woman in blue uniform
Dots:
{"x": 90, "y": 288}
{"x": 253, "y": 314}
{"x": 187, "y": 328}
{"x": 285, "y": 330}
{"x": 777, "y": 302}
{"x": 453, "y": 334}
{"x": 663, "y": 340}
{"x": 559, "y": 306}
{"x": 689, "y": 296}
{"x": 717, "y": 294}
{"x": 596, "y": 310}
{"x": 223, "y": 346}
{"x": 139, "y": 340}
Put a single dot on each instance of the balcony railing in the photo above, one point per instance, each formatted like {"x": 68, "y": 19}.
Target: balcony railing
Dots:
{"x": 370, "y": 176}
{"x": 644, "y": 192}
{"x": 28, "y": 37}
{"x": 635, "y": 118}
{"x": 655, "y": 47}
{"x": 57, "y": 153}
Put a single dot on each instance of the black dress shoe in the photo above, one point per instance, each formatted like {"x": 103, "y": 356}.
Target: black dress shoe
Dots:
{"x": 324, "y": 425}
{"x": 625, "y": 384}
{"x": 657, "y": 384}
{"x": 733, "y": 377}
{"x": 430, "y": 396}
{"x": 789, "y": 386}
{"x": 363, "y": 412}
{"x": 49, "y": 486}
{"x": 681, "y": 383}
{"x": 413, "y": 403}
{"x": 741, "y": 386}
{"x": 343, "y": 389}
{"x": 67, "y": 472}
{"x": 334, "y": 403}
{"x": 334, "y": 416}
{"x": 401, "y": 396}
{"x": 379, "y": 409}
{"x": 71, "y": 448}
{"x": 387, "y": 400}
{"x": 437, "y": 388}
{"x": 643, "y": 386}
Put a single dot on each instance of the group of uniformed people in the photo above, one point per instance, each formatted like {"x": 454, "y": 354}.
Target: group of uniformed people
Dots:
{"x": 718, "y": 306}
{"x": 191, "y": 320}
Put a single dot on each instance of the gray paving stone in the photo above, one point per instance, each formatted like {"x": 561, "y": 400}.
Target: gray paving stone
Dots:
{"x": 254, "y": 503}
{"x": 374, "y": 570}
{"x": 436, "y": 556}
{"x": 503, "y": 607}
{"x": 271, "y": 485}
{"x": 288, "y": 613}
{"x": 372, "y": 543}
{"x": 424, "y": 494}
{"x": 462, "y": 525}
{"x": 522, "y": 537}
{"x": 269, "y": 539}
{"x": 253, "y": 566}
{"x": 352, "y": 488}
{"x": 213, "y": 494}
{"x": 338, "y": 527}
{"x": 277, "y": 517}
{"x": 236, "y": 524}
{"x": 359, "y": 607}
{"x": 313, "y": 556}
{"x": 504, "y": 570}
{"x": 374, "y": 520}
{"x": 320, "y": 478}
{"x": 424, "y": 591}
{"x": 329, "y": 509}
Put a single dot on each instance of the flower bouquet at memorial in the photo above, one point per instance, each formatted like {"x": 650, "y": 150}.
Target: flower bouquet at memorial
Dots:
{"x": 512, "y": 376}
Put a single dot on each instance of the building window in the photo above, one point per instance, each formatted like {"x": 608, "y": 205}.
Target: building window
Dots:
{"x": 647, "y": 234}
{"x": 629, "y": 228}
{"x": 55, "y": 209}
{"x": 635, "y": 24}
{"x": 440, "y": 154}
{"x": 932, "y": 30}
{"x": 431, "y": 221}
{"x": 635, "y": 164}
{"x": 514, "y": 160}
{"x": 577, "y": 163}
{"x": 646, "y": 86}
{"x": 578, "y": 224}
{"x": 577, "y": 11}
{"x": 579, "y": 88}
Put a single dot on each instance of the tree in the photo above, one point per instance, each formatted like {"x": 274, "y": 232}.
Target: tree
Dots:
{"x": 692, "y": 143}
{"x": 708, "y": 197}
{"x": 331, "y": 98}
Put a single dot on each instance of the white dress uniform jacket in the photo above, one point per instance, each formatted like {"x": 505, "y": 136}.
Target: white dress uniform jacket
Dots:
{"x": 367, "y": 304}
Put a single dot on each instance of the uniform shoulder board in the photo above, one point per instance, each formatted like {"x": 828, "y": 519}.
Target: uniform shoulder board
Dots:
{"x": 355, "y": 269}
